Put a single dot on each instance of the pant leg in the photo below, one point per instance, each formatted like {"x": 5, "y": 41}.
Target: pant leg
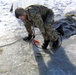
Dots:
{"x": 50, "y": 33}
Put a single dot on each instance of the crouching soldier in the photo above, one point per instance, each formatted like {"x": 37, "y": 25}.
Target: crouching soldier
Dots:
{"x": 41, "y": 17}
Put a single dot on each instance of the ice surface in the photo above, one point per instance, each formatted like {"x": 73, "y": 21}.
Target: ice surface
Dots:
{"x": 17, "y": 57}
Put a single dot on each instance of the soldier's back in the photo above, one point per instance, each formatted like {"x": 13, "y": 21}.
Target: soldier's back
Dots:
{"x": 38, "y": 8}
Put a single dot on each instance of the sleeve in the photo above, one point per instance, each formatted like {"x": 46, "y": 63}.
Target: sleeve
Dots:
{"x": 38, "y": 22}
{"x": 36, "y": 18}
{"x": 28, "y": 27}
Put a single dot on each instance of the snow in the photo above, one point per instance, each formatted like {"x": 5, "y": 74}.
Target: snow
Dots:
{"x": 17, "y": 56}
{"x": 10, "y": 27}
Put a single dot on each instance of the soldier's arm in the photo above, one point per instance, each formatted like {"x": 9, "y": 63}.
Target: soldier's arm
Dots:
{"x": 36, "y": 18}
{"x": 28, "y": 27}
{"x": 38, "y": 22}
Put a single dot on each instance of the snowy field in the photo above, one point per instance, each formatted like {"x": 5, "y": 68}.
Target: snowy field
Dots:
{"x": 17, "y": 57}
{"x": 12, "y": 28}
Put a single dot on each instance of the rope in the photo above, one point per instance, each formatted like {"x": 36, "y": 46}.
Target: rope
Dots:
{"x": 10, "y": 43}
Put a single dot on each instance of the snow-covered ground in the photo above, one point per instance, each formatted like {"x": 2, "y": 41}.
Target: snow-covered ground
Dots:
{"x": 9, "y": 24}
{"x": 17, "y": 56}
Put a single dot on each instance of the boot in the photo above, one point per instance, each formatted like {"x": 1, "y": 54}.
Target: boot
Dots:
{"x": 28, "y": 38}
{"x": 56, "y": 44}
{"x": 45, "y": 44}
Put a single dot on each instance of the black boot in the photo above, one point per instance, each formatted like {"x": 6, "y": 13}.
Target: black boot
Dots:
{"x": 45, "y": 44}
{"x": 56, "y": 44}
{"x": 28, "y": 38}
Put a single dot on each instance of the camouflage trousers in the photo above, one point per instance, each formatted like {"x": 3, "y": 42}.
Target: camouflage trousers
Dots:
{"x": 50, "y": 33}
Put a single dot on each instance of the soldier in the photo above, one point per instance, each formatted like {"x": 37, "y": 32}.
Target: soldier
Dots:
{"x": 41, "y": 17}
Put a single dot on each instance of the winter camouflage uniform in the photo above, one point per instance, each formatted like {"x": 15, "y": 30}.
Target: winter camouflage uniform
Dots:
{"x": 43, "y": 18}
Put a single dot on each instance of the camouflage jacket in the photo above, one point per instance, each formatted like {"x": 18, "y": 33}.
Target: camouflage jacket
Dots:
{"x": 36, "y": 14}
